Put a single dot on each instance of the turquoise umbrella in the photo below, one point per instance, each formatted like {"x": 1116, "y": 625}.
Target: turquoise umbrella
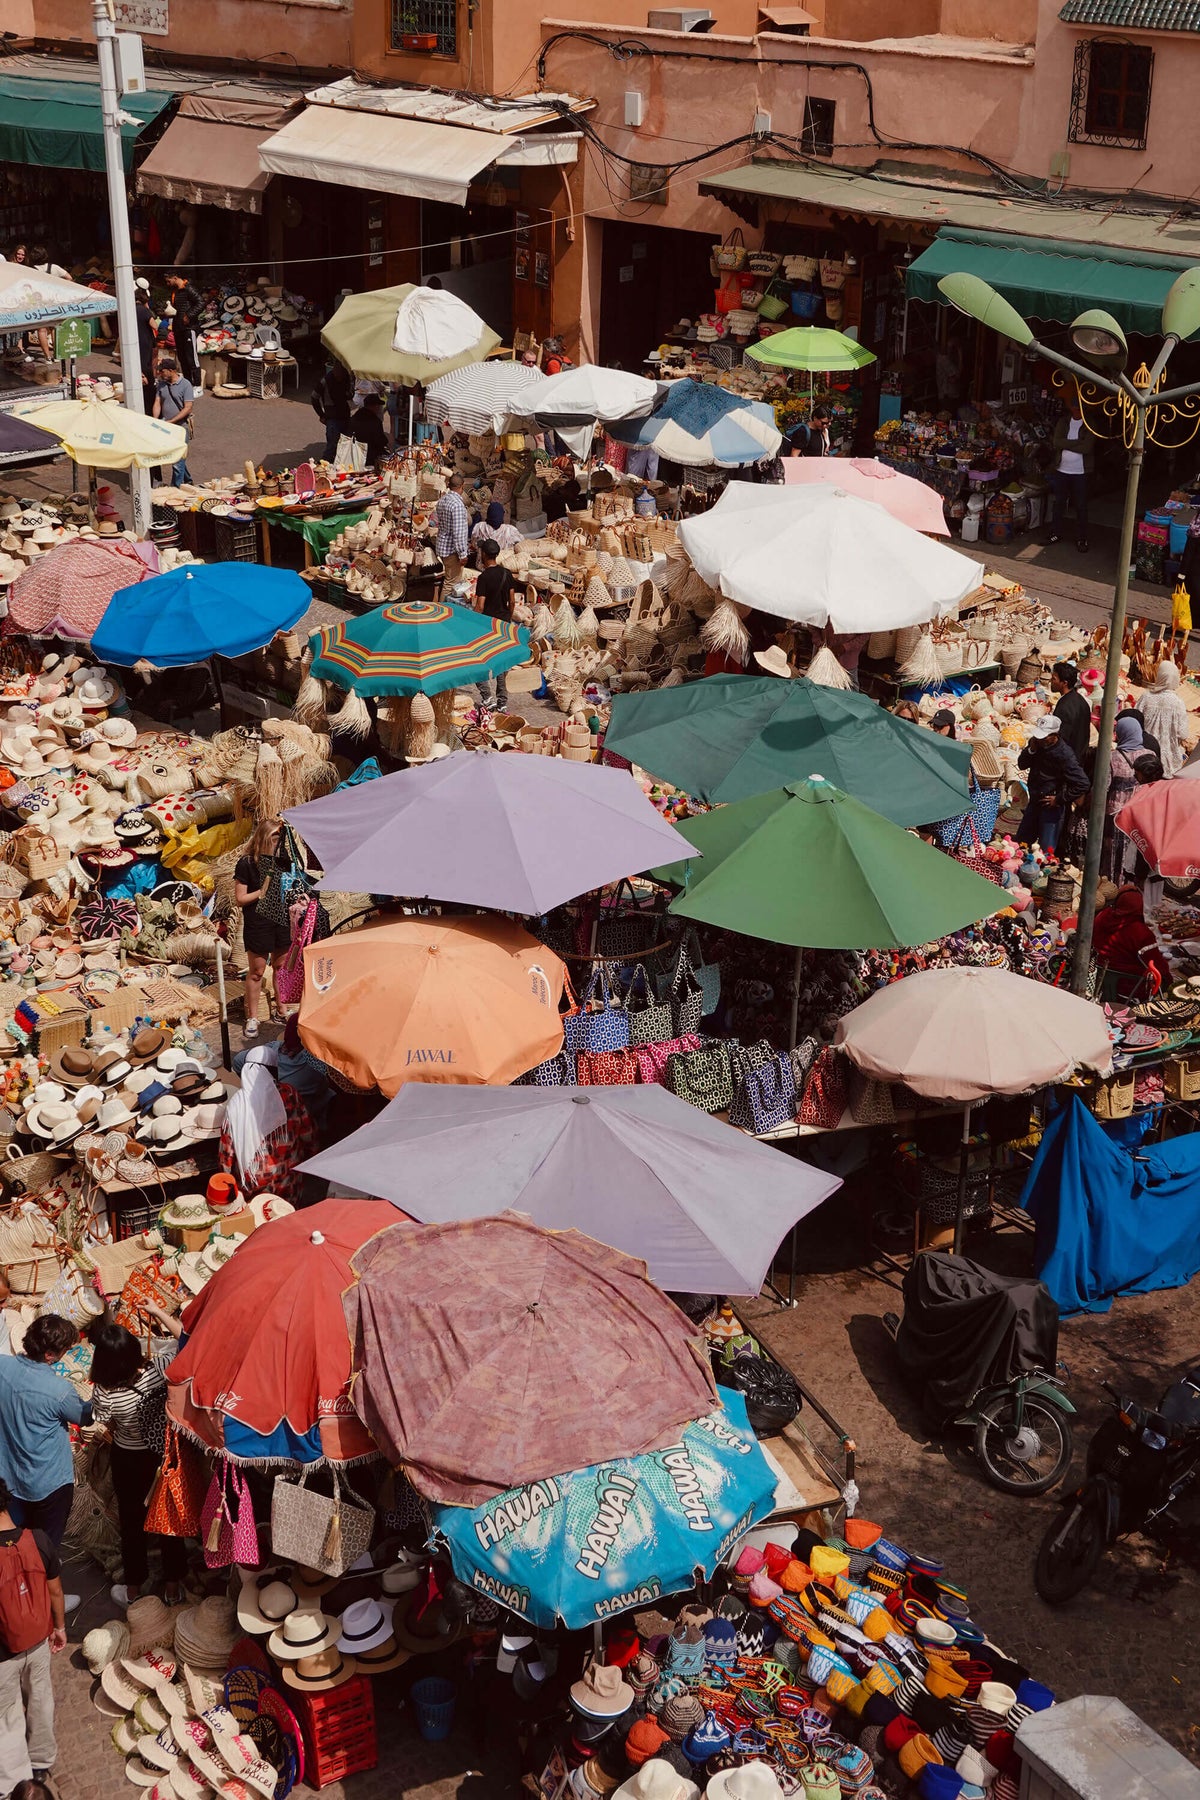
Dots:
{"x": 416, "y": 647}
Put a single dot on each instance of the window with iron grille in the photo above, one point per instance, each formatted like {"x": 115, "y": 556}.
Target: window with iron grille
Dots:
{"x": 430, "y": 25}
{"x": 816, "y": 136}
{"x": 1110, "y": 93}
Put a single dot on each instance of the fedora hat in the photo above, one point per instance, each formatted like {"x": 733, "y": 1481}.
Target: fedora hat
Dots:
{"x": 95, "y": 690}
{"x": 657, "y": 1780}
{"x": 304, "y": 1633}
{"x": 51, "y": 1120}
{"x": 402, "y": 1576}
{"x": 602, "y": 1692}
{"x": 774, "y": 661}
{"x": 113, "y": 1112}
{"x": 264, "y": 1602}
{"x": 431, "y": 1632}
{"x": 203, "y": 1121}
{"x": 318, "y": 1673}
{"x": 114, "y": 1073}
{"x": 365, "y": 1625}
{"x": 161, "y": 1134}
{"x": 147, "y": 1044}
{"x": 385, "y": 1656}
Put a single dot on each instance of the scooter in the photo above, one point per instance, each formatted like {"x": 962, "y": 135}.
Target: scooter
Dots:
{"x": 1021, "y": 1428}
{"x": 1138, "y": 1464}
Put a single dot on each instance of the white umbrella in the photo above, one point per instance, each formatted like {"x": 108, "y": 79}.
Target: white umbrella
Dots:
{"x": 824, "y": 557}
{"x": 478, "y": 398}
{"x": 575, "y": 400}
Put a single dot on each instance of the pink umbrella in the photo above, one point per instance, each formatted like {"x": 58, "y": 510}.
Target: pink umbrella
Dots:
{"x": 66, "y": 593}
{"x": 903, "y": 496}
{"x": 1163, "y": 820}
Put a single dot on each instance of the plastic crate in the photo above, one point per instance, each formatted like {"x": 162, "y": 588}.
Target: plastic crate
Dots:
{"x": 235, "y": 540}
{"x": 357, "y": 1755}
{"x": 338, "y": 1730}
{"x": 128, "y": 1221}
{"x": 197, "y": 532}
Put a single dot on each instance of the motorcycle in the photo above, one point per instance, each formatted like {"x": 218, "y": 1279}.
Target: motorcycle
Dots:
{"x": 984, "y": 1349}
{"x": 1138, "y": 1464}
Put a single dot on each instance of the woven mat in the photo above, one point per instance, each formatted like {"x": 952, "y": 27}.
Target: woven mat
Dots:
{"x": 175, "y": 999}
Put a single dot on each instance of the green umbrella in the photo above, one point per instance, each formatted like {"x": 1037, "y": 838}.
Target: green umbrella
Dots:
{"x": 812, "y": 347}
{"x": 731, "y": 736}
{"x": 416, "y": 646}
{"x": 440, "y": 330}
{"x": 809, "y": 866}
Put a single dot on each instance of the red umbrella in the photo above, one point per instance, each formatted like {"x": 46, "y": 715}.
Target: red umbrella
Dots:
{"x": 67, "y": 592}
{"x": 264, "y": 1369}
{"x": 1163, "y": 820}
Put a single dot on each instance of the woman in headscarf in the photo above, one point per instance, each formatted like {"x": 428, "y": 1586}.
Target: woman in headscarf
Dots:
{"x": 1124, "y": 943}
{"x": 492, "y": 527}
{"x": 1166, "y": 716}
{"x": 1122, "y": 784}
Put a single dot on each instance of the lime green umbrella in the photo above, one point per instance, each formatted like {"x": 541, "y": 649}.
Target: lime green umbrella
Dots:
{"x": 407, "y": 334}
{"x": 812, "y": 347}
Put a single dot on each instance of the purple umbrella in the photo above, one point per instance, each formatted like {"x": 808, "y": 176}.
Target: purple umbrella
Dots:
{"x": 704, "y": 1205}
{"x": 516, "y": 833}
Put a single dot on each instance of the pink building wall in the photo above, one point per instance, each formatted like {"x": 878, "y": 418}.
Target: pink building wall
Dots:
{"x": 269, "y": 35}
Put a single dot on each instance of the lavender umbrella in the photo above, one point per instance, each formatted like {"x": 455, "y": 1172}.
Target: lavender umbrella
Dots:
{"x": 516, "y": 833}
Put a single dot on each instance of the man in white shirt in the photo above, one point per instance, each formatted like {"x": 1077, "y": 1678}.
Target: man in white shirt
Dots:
{"x": 1070, "y": 470}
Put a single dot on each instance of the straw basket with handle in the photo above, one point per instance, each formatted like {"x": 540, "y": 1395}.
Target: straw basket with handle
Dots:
{"x": 730, "y": 255}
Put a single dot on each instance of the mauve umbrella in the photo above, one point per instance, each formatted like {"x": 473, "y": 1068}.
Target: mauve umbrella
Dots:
{"x": 490, "y": 1353}
{"x": 642, "y": 1169}
{"x": 515, "y": 833}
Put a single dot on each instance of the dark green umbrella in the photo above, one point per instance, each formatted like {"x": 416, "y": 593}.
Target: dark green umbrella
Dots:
{"x": 808, "y": 865}
{"x": 732, "y": 736}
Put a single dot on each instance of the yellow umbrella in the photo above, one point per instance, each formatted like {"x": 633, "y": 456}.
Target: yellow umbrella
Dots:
{"x": 103, "y": 434}
{"x": 466, "y": 1000}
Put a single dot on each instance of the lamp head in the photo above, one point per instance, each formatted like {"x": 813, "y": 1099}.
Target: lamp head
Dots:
{"x": 1181, "y": 308}
{"x": 1097, "y": 336}
{"x": 978, "y": 300}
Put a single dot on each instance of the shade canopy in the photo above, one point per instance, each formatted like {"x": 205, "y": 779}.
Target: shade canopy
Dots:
{"x": 635, "y": 1166}
{"x": 807, "y": 865}
{"x": 477, "y": 398}
{"x": 416, "y": 647}
{"x": 194, "y": 612}
{"x": 588, "y": 395}
{"x": 491, "y": 1353}
{"x": 964, "y": 1033}
{"x": 407, "y": 334}
{"x": 515, "y": 833}
{"x": 1163, "y": 820}
{"x": 822, "y": 556}
{"x": 209, "y": 164}
{"x": 812, "y": 347}
{"x": 23, "y": 442}
{"x": 264, "y": 1372}
{"x": 423, "y": 158}
{"x": 701, "y": 425}
{"x": 669, "y": 1512}
{"x": 103, "y": 434}
{"x": 448, "y": 1000}
{"x": 903, "y": 496}
{"x": 730, "y": 736}
{"x": 66, "y": 593}
{"x": 59, "y": 124}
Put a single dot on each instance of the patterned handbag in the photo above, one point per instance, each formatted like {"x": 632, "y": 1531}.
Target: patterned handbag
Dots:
{"x": 607, "y": 1068}
{"x": 289, "y": 976}
{"x": 227, "y": 1520}
{"x": 605, "y": 1027}
{"x": 317, "y": 1530}
{"x": 703, "y": 1077}
{"x": 145, "y": 1287}
{"x": 556, "y": 1071}
{"x": 686, "y": 995}
{"x": 177, "y": 1496}
{"x": 802, "y": 1057}
{"x": 765, "y": 1098}
{"x": 825, "y": 1097}
{"x": 707, "y": 974}
{"x": 968, "y": 849}
{"x": 983, "y": 809}
{"x": 652, "y": 1022}
{"x": 626, "y": 928}
{"x": 871, "y": 1102}
{"x": 653, "y": 1059}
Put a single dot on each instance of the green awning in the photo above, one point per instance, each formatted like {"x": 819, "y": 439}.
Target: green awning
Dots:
{"x": 58, "y": 124}
{"x": 1045, "y": 278}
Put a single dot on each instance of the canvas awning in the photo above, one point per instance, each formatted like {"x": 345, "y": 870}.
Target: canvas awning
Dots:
{"x": 1050, "y": 279}
{"x": 57, "y": 124}
{"x": 208, "y": 164}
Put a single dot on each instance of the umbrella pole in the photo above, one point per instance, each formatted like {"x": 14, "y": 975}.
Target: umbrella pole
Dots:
{"x": 963, "y": 1157}
{"x": 223, "y": 1013}
{"x": 799, "y": 964}
{"x": 92, "y": 496}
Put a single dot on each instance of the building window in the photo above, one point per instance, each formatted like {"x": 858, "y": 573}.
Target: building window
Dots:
{"x": 1110, "y": 94}
{"x": 817, "y": 132}
{"x": 430, "y": 25}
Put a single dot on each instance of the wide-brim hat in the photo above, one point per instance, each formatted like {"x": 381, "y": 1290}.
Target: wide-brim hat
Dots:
{"x": 105, "y": 1644}
{"x": 385, "y": 1656}
{"x": 305, "y": 1632}
{"x": 264, "y": 1602}
{"x": 319, "y": 1673}
{"x": 752, "y": 1781}
{"x": 427, "y": 1635}
{"x": 122, "y": 732}
{"x": 207, "y": 1632}
{"x": 95, "y": 691}
{"x": 602, "y": 1692}
{"x": 365, "y": 1625}
{"x": 657, "y": 1779}
{"x": 147, "y": 1045}
{"x": 151, "y": 1625}
{"x": 118, "y": 1686}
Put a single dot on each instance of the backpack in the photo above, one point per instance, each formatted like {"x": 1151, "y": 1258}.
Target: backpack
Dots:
{"x": 25, "y": 1619}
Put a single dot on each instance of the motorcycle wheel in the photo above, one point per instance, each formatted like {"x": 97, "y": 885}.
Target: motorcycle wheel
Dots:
{"x": 1069, "y": 1554}
{"x": 1029, "y": 1460}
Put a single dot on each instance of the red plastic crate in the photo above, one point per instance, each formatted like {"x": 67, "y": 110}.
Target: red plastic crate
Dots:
{"x": 355, "y": 1756}
{"x": 339, "y": 1732}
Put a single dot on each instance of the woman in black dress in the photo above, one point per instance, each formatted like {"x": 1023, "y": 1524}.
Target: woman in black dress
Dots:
{"x": 263, "y": 938}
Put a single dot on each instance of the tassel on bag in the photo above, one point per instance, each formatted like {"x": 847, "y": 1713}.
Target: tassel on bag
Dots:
{"x": 827, "y": 671}
{"x": 213, "y": 1539}
{"x": 725, "y": 633}
{"x": 922, "y": 668}
{"x": 353, "y": 720}
{"x": 331, "y": 1549}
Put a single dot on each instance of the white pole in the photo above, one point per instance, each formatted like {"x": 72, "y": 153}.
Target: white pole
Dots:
{"x": 118, "y": 214}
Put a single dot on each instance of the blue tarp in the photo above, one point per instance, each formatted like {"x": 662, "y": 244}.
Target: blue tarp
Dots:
{"x": 1112, "y": 1220}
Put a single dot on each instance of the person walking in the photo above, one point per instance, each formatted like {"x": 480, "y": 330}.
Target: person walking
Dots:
{"x": 125, "y": 1385}
{"x": 493, "y": 596}
{"x": 453, "y": 529}
{"x": 174, "y": 398}
{"x": 32, "y": 1629}
{"x": 36, "y": 1407}
{"x": 1165, "y": 717}
{"x": 263, "y": 939}
{"x": 188, "y": 307}
{"x": 1074, "y": 458}
{"x": 1055, "y": 782}
{"x": 810, "y": 437}
{"x": 145, "y": 332}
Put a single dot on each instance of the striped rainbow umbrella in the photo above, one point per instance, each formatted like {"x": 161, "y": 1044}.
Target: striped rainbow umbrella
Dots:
{"x": 416, "y": 647}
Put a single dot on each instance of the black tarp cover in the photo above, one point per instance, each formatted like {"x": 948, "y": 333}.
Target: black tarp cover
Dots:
{"x": 965, "y": 1327}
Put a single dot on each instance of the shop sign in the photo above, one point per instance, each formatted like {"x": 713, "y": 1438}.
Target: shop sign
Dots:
{"x": 1016, "y": 393}
{"x": 72, "y": 338}
{"x": 151, "y": 17}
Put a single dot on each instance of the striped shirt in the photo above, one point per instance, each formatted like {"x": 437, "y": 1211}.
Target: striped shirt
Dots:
{"x": 120, "y": 1408}
{"x": 453, "y": 525}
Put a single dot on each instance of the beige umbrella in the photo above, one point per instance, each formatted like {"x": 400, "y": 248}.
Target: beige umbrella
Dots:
{"x": 962, "y": 1034}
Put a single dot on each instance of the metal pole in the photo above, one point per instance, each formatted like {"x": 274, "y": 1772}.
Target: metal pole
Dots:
{"x": 223, "y": 1008}
{"x": 1108, "y": 715}
{"x": 797, "y": 970}
{"x": 964, "y": 1154}
{"x": 118, "y": 214}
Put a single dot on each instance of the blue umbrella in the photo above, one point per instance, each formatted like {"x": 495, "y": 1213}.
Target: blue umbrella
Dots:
{"x": 192, "y": 613}
{"x": 582, "y": 1547}
{"x": 700, "y": 424}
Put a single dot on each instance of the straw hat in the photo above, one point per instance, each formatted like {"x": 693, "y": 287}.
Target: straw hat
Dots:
{"x": 264, "y": 1603}
{"x": 105, "y": 1644}
{"x": 151, "y": 1623}
{"x": 305, "y": 1632}
{"x": 366, "y": 1624}
{"x": 121, "y": 732}
{"x": 319, "y": 1673}
{"x": 206, "y": 1633}
{"x": 385, "y": 1656}
{"x": 188, "y": 1212}
{"x": 118, "y": 1688}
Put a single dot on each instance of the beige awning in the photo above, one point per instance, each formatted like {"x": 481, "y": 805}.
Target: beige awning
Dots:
{"x": 786, "y": 18}
{"x": 208, "y": 164}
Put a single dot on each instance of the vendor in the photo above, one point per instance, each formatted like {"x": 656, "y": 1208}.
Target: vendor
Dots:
{"x": 562, "y": 499}
{"x": 1123, "y": 942}
{"x": 263, "y": 939}
{"x": 492, "y": 528}
{"x": 1074, "y": 459}
{"x": 1055, "y": 782}
{"x": 366, "y": 427}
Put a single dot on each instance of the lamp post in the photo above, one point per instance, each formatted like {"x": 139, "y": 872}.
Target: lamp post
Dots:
{"x": 1140, "y": 406}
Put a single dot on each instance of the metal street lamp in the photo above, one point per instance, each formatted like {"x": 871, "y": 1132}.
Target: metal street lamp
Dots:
{"x": 1142, "y": 406}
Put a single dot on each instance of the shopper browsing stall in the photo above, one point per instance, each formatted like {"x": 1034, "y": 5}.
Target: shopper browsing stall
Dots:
{"x": 1055, "y": 780}
{"x": 264, "y": 939}
{"x": 32, "y": 1628}
{"x": 174, "y": 398}
{"x": 125, "y": 1385}
{"x": 1074, "y": 460}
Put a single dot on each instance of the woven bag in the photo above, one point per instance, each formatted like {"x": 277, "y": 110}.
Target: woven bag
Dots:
{"x": 322, "y": 1531}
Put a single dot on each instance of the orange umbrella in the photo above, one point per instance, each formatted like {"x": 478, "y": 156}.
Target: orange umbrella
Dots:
{"x": 454, "y": 1000}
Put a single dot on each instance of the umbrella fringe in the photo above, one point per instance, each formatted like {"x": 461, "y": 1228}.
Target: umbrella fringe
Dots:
{"x": 275, "y": 1462}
